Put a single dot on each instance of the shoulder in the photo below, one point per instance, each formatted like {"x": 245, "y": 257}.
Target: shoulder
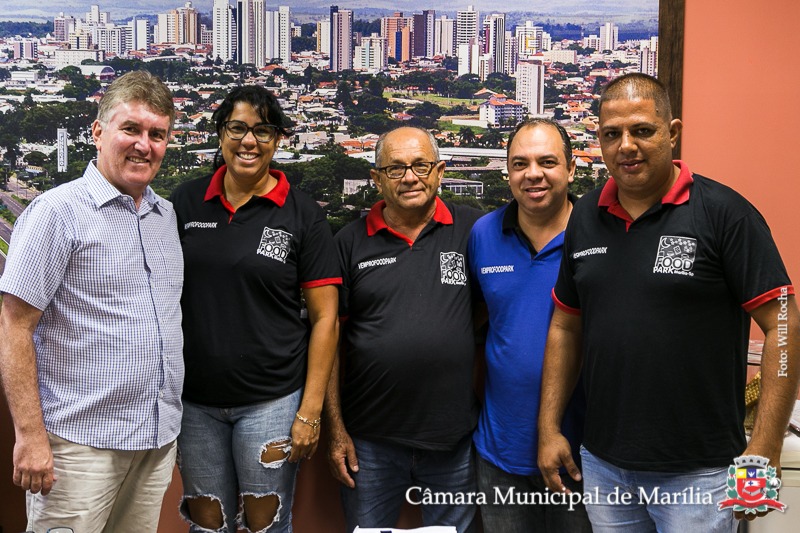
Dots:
{"x": 489, "y": 221}
{"x": 351, "y": 231}
{"x": 303, "y": 200}
{"x": 463, "y": 214}
{"x": 719, "y": 195}
{"x": 190, "y": 189}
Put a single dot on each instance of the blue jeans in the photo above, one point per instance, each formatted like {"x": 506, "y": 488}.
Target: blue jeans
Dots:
{"x": 388, "y": 474}
{"x": 658, "y": 501}
{"x": 220, "y": 456}
{"x": 525, "y": 515}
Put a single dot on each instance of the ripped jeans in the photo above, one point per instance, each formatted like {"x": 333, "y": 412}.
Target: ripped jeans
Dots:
{"x": 222, "y": 457}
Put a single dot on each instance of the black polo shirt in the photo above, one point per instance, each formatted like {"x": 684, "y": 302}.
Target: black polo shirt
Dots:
{"x": 664, "y": 302}
{"x": 408, "y": 330}
{"x": 245, "y": 339}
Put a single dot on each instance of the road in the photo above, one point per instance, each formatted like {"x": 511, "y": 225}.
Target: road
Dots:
{"x": 18, "y": 189}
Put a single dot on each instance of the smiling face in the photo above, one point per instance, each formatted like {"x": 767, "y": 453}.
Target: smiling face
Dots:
{"x": 131, "y": 146}
{"x": 637, "y": 143}
{"x": 248, "y": 160}
{"x": 538, "y": 171}
{"x": 406, "y": 146}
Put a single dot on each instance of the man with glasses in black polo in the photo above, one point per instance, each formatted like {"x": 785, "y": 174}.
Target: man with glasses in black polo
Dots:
{"x": 400, "y": 405}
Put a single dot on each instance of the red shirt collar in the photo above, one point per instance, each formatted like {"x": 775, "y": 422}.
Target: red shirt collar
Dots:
{"x": 277, "y": 195}
{"x": 677, "y": 195}
{"x": 375, "y": 221}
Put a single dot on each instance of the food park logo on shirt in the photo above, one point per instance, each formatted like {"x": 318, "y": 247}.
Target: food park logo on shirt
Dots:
{"x": 752, "y": 486}
{"x": 675, "y": 255}
{"x": 452, "y": 268}
{"x": 275, "y": 244}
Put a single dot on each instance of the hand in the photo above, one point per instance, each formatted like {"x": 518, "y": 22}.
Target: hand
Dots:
{"x": 773, "y": 461}
{"x": 555, "y": 452}
{"x": 341, "y": 453}
{"x": 33, "y": 463}
{"x": 304, "y": 441}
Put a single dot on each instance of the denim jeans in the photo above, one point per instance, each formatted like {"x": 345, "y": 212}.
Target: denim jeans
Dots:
{"x": 517, "y": 517}
{"x": 220, "y": 456}
{"x": 659, "y": 501}
{"x": 388, "y": 473}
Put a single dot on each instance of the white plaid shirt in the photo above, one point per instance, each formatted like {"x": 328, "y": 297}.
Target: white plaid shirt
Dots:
{"x": 108, "y": 280}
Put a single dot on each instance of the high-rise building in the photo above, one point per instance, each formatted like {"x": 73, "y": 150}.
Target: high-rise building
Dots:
{"x": 165, "y": 30}
{"x": 188, "y": 24}
{"x": 80, "y": 40}
{"x": 422, "y": 26}
{"x": 609, "y": 36}
{"x": 530, "y": 86}
{"x": 495, "y": 46}
{"x": 341, "y": 39}
{"x": 140, "y": 38}
{"x": 371, "y": 54}
{"x": 62, "y": 27}
{"x": 96, "y": 16}
{"x": 510, "y": 54}
{"x": 278, "y": 35}
{"x": 529, "y": 39}
{"x": 648, "y": 57}
{"x": 111, "y": 38}
{"x": 25, "y": 49}
{"x": 249, "y": 35}
{"x": 592, "y": 41}
{"x": 466, "y": 25}
{"x": 224, "y": 36}
{"x": 324, "y": 36}
{"x": 389, "y": 28}
{"x": 444, "y": 36}
{"x": 469, "y": 57}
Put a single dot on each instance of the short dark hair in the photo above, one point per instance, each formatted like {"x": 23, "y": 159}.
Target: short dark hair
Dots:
{"x": 535, "y": 123}
{"x": 265, "y": 105}
{"x": 638, "y": 85}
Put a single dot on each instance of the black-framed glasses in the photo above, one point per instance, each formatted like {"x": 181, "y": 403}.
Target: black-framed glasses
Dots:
{"x": 236, "y": 130}
{"x": 421, "y": 169}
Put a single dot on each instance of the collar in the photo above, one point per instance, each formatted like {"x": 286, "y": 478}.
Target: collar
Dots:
{"x": 277, "y": 195}
{"x": 678, "y": 194}
{"x": 376, "y": 222}
{"x": 102, "y": 191}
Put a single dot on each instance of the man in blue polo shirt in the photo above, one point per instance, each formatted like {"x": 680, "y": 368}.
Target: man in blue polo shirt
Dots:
{"x": 662, "y": 271}
{"x": 514, "y": 255}
{"x": 401, "y": 419}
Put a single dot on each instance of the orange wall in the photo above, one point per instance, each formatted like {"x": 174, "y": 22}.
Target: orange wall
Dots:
{"x": 740, "y": 107}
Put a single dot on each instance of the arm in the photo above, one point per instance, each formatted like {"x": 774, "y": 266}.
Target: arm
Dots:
{"x": 322, "y": 303}
{"x": 780, "y": 373}
{"x": 562, "y": 368}
{"x": 33, "y": 458}
{"x": 341, "y": 451}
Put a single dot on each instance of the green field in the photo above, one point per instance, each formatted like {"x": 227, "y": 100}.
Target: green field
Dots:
{"x": 442, "y": 101}
{"x": 446, "y": 125}
{"x": 3, "y": 246}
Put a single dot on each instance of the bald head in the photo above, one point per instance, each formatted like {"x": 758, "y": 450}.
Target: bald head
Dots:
{"x": 637, "y": 86}
{"x": 401, "y": 132}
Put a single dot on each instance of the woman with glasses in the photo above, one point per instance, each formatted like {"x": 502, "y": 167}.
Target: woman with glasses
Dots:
{"x": 259, "y": 321}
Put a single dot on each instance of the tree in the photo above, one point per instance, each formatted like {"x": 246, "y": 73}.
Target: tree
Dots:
{"x": 10, "y": 143}
{"x": 492, "y": 139}
{"x": 466, "y": 137}
{"x": 343, "y": 96}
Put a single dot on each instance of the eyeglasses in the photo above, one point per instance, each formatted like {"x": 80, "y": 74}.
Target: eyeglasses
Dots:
{"x": 236, "y": 130}
{"x": 421, "y": 169}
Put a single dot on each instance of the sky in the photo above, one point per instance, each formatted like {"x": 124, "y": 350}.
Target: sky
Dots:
{"x": 120, "y": 9}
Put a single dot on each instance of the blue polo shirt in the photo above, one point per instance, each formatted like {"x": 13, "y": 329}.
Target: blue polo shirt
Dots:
{"x": 516, "y": 282}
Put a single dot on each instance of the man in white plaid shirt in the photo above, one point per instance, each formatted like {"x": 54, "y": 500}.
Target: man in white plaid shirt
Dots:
{"x": 90, "y": 336}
